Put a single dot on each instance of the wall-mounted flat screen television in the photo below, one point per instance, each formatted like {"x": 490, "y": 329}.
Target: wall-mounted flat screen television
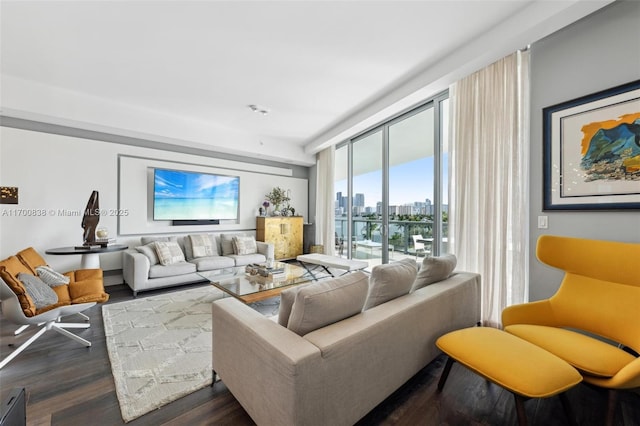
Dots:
{"x": 187, "y": 195}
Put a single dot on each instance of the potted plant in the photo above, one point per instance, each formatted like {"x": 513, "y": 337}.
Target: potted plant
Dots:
{"x": 277, "y": 196}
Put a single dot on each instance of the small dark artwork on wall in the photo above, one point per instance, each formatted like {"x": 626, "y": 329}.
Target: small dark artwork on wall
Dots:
{"x": 8, "y": 195}
{"x": 592, "y": 151}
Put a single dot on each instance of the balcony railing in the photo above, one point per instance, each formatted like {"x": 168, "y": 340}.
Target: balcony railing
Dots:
{"x": 400, "y": 232}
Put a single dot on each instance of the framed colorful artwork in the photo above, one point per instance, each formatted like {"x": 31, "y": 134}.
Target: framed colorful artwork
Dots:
{"x": 592, "y": 151}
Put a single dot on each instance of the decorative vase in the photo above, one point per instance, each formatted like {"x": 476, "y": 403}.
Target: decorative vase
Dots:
{"x": 102, "y": 233}
{"x": 276, "y": 212}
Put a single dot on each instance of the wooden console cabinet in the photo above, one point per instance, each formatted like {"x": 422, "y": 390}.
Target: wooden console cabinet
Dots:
{"x": 285, "y": 233}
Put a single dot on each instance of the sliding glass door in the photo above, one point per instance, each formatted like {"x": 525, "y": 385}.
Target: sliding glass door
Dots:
{"x": 391, "y": 187}
{"x": 367, "y": 240}
{"x": 411, "y": 182}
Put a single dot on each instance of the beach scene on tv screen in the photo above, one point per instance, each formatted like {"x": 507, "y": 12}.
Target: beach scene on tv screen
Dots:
{"x": 182, "y": 195}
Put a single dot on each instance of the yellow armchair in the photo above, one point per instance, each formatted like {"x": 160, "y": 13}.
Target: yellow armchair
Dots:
{"x": 593, "y": 320}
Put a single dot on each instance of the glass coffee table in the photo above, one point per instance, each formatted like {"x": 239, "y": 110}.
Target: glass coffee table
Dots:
{"x": 253, "y": 288}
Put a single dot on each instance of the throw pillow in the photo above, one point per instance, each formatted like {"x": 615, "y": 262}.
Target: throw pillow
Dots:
{"x": 202, "y": 245}
{"x": 51, "y": 277}
{"x": 168, "y": 252}
{"x": 41, "y": 294}
{"x": 434, "y": 269}
{"x": 389, "y": 281}
{"x": 287, "y": 298}
{"x": 244, "y": 244}
{"x": 325, "y": 302}
{"x": 149, "y": 250}
{"x": 226, "y": 242}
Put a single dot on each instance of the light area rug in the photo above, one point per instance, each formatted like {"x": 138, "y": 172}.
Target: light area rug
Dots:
{"x": 159, "y": 347}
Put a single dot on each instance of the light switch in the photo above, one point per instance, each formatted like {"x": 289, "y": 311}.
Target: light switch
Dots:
{"x": 543, "y": 222}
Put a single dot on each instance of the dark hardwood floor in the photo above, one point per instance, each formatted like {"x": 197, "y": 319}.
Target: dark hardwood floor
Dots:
{"x": 68, "y": 384}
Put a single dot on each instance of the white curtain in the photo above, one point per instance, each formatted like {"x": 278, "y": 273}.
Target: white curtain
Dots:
{"x": 489, "y": 158}
{"x": 325, "y": 226}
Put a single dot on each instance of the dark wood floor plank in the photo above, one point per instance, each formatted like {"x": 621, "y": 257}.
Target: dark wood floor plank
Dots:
{"x": 69, "y": 384}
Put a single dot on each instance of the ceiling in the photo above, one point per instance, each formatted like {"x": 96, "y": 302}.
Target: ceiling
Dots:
{"x": 184, "y": 72}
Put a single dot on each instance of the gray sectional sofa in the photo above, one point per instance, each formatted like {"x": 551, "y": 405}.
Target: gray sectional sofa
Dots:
{"x": 142, "y": 270}
{"x": 337, "y": 373}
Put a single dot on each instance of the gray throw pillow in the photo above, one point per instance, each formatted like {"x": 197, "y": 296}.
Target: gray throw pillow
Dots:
{"x": 202, "y": 245}
{"x": 169, "y": 252}
{"x": 226, "y": 242}
{"x": 149, "y": 250}
{"x": 51, "y": 277}
{"x": 287, "y": 298}
{"x": 434, "y": 269}
{"x": 244, "y": 245}
{"x": 325, "y": 302}
{"x": 389, "y": 281}
{"x": 41, "y": 294}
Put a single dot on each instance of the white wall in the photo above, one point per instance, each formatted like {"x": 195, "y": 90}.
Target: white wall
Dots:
{"x": 594, "y": 54}
{"x": 55, "y": 175}
{"x": 136, "y": 186}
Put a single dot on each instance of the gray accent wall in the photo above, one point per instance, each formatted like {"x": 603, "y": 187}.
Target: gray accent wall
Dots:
{"x": 596, "y": 53}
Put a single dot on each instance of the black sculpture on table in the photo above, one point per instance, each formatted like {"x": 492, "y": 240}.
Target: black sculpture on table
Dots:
{"x": 90, "y": 219}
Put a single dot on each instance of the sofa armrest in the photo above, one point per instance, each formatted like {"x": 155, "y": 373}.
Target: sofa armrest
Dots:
{"x": 538, "y": 313}
{"x": 266, "y": 249}
{"x": 257, "y": 358}
{"x": 135, "y": 268}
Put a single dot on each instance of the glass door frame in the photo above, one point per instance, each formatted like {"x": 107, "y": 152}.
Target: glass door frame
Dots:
{"x": 436, "y": 103}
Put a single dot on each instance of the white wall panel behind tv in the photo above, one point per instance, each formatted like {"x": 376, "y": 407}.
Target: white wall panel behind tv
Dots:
{"x": 135, "y": 189}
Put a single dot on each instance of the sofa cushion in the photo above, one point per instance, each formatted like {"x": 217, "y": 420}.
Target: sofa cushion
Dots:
{"x": 389, "y": 281}
{"x": 245, "y": 259}
{"x": 226, "y": 243}
{"x": 149, "y": 250}
{"x": 244, "y": 245}
{"x": 85, "y": 285}
{"x": 41, "y": 294}
{"x": 325, "y": 302}
{"x": 434, "y": 269}
{"x": 212, "y": 262}
{"x": 86, "y": 274}
{"x": 169, "y": 252}
{"x": 31, "y": 259}
{"x": 62, "y": 291}
{"x": 90, "y": 290}
{"x": 147, "y": 240}
{"x": 178, "y": 268}
{"x": 26, "y": 303}
{"x": 50, "y": 277}
{"x": 200, "y": 245}
{"x": 14, "y": 266}
{"x": 587, "y": 354}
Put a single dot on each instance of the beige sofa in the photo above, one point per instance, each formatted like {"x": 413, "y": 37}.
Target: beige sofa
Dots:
{"x": 338, "y": 373}
{"x": 142, "y": 272}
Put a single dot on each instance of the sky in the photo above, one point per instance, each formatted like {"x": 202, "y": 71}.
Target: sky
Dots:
{"x": 408, "y": 182}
